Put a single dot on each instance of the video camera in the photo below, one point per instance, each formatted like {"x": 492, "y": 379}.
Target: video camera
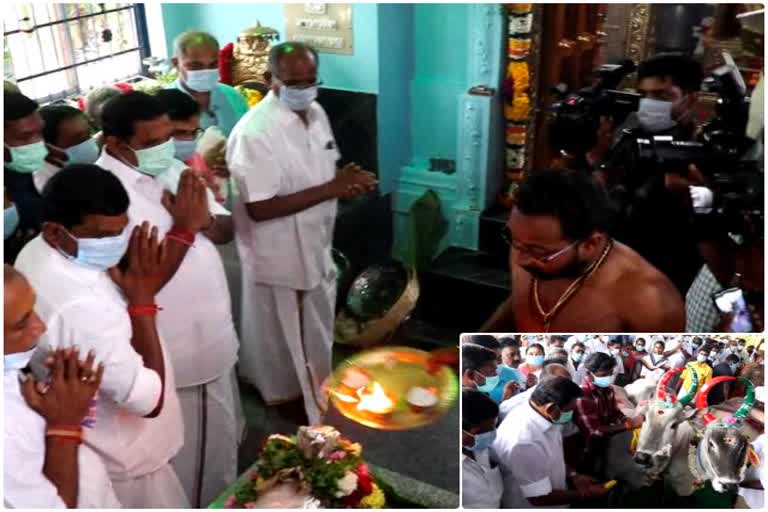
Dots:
{"x": 577, "y": 117}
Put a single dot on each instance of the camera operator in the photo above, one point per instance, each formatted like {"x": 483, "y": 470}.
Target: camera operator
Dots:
{"x": 656, "y": 205}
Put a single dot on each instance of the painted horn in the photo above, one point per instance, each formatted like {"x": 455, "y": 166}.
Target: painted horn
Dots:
{"x": 691, "y": 393}
{"x": 749, "y": 400}
{"x": 701, "y": 398}
{"x": 661, "y": 387}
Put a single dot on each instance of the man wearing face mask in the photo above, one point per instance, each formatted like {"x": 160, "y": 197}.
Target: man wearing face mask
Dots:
{"x": 597, "y": 413}
{"x": 184, "y": 114}
{"x": 196, "y": 57}
{"x": 24, "y": 156}
{"x": 549, "y": 370}
{"x": 478, "y": 367}
{"x": 67, "y": 133}
{"x": 722, "y": 391}
{"x": 575, "y": 363}
{"x": 197, "y": 313}
{"x": 283, "y": 157}
{"x": 701, "y": 367}
{"x": 657, "y": 209}
{"x": 89, "y": 298}
{"x": 530, "y": 451}
{"x": 45, "y": 466}
{"x": 509, "y": 381}
{"x": 482, "y": 485}
{"x": 569, "y": 274}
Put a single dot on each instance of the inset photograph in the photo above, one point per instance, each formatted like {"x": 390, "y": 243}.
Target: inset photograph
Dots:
{"x": 613, "y": 421}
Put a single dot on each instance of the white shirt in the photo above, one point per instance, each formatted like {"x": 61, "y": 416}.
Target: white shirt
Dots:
{"x": 514, "y": 402}
{"x": 653, "y": 374}
{"x": 481, "y": 485}
{"x": 577, "y": 375}
{"x": 595, "y": 344}
{"x": 530, "y": 451}
{"x": 170, "y": 180}
{"x": 196, "y": 321}
{"x": 755, "y": 497}
{"x": 619, "y": 368}
{"x": 24, "y": 483}
{"x": 41, "y": 177}
{"x": 272, "y": 153}
{"x": 82, "y": 306}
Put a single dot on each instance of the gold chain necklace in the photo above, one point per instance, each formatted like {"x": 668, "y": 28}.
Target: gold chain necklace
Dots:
{"x": 570, "y": 291}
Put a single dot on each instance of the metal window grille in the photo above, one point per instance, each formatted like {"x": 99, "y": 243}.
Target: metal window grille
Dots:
{"x": 56, "y": 50}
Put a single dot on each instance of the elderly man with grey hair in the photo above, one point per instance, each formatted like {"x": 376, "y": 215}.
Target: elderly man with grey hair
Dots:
{"x": 196, "y": 57}
{"x": 551, "y": 369}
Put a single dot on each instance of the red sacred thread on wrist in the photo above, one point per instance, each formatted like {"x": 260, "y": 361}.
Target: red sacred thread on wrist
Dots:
{"x": 144, "y": 310}
{"x": 65, "y": 434}
{"x": 181, "y": 236}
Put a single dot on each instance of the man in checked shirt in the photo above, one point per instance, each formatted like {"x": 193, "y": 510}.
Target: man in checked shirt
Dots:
{"x": 597, "y": 413}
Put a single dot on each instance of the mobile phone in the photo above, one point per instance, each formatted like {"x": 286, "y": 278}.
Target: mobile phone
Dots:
{"x": 37, "y": 366}
{"x": 732, "y": 301}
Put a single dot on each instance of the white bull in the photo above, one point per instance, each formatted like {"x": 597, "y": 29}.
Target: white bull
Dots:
{"x": 687, "y": 445}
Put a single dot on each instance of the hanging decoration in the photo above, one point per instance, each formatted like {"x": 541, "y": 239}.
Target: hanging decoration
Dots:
{"x": 517, "y": 100}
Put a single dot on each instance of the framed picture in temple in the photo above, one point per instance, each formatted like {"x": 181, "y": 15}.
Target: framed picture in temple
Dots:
{"x": 326, "y": 27}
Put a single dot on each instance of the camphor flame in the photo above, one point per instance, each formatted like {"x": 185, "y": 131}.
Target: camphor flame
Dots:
{"x": 376, "y": 402}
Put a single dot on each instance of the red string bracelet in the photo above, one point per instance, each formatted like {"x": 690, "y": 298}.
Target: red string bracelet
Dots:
{"x": 181, "y": 236}
{"x": 144, "y": 310}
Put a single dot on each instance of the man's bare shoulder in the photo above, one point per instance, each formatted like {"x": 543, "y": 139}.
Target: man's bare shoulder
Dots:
{"x": 647, "y": 295}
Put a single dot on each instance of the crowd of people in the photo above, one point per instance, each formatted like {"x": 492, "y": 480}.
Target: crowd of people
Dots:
{"x": 119, "y": 341}
{"x": 607, "y": 233}
{"x": 538, "y": 410}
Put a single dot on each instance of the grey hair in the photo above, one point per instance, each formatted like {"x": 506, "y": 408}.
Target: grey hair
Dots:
{"x": 96, "y": 99}
{"x": 279, "y": 51}
{"x": 546, "y": 372}
{"x": 193, "y": 38}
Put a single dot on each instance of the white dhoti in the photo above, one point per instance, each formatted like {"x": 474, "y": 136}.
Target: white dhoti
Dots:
{"x": 286, "y": 342}
{"x": 159, "y": 489}
{"x": 213, "y": 428}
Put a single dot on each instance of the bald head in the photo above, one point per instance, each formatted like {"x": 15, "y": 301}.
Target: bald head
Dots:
{"x": 554, "y": 370}
{"x": 21, "y": 325}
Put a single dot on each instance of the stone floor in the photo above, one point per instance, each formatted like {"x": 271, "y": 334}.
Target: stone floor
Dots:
{"x": 429, "y": 454}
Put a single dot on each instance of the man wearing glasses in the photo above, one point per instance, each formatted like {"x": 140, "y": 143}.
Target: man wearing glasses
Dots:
{"x": 568, "y": 274}
{"x": 283, "y": 157}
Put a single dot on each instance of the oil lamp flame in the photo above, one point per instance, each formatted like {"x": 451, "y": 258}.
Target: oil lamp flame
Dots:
{"x": 376, "y": 402}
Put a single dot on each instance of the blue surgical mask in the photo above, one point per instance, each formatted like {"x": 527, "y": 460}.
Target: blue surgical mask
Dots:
{"x": 202, "y": 80}
{"x": 11, "y": 221}
{"x": 185, "y": 148}
{"x": 733, "y": 367}
{"x": 603, "y": 382}
{"x": 157, "y": 159}
{"x": 28, "y": 158}
{"x": 490, "y": 383}
{"x": 86, "y": 152}
{"x": 655, "y": 115}
{"x": 577, "y": 356}
{"x": 17, "y": 361}
{"x": 482, "y": 441}
{"x": 100, "y": 253}
{"x": 564, "y": 418}
{"x": 534, "y": 360}
{"x": 296, "y": 99}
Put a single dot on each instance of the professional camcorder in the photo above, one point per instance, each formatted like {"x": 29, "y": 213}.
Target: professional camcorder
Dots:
{"x": 577, "y": 117}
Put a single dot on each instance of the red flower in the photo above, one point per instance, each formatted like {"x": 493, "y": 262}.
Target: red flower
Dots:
{"x": 226, "y": 58}
{"x": 364, "y": 481}
{"x": 124, "y": 87}
{"x": 353, "y": 500}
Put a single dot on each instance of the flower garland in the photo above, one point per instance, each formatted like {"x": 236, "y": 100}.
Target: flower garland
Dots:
{"x": 330, "y": 467}
{"x": 517, "y": 101}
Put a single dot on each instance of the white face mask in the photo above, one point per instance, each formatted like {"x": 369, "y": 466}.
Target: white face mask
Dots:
{"x": 701, "y": 358}
{"x": 655, "y": 115}
{"x": 16, "y": 361}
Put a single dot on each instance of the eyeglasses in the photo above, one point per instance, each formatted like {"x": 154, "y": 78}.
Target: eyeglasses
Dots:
{"x": 293, "y": 84}
{"x": 186, "y": 135}
{"x": 541, "y": 258}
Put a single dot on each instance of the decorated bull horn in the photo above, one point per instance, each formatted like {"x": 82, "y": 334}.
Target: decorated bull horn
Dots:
{"x": 661, "y": 388}
{"x": 749, "y": 400}
{"x": 701, "y": 398}
{"x": 690, "y": 393}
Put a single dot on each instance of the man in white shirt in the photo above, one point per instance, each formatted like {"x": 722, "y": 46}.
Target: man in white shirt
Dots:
{"x": 530, "y": 451}
{"x": 197, "y": 313}
{"x": 596, "y": 344}
{"x": 85, "y": 300}
{"x": 282, "y": 155}
{"x": 548, "y": 371}
{"x": 614, "y": 350}
{"x": 675, "y": 353}
{"x": 45, "y": 466}
{"x": 481, "y": 482}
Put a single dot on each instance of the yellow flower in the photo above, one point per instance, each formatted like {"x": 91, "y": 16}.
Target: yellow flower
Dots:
{"x": 520, "y": 108}
{"x": 518, "y": 72}
{"x": 374, "y": 500}
{"x": 354, "y": 448}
